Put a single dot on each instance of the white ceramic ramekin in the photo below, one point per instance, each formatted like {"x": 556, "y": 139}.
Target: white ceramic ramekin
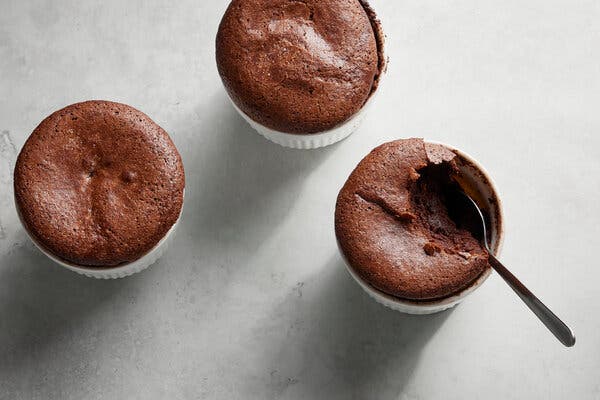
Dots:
{"x": 480, "y": 186}
{"x": 345, "y": 129}
{"x": 119, "y": 271}
{"x": 313, "y": 140}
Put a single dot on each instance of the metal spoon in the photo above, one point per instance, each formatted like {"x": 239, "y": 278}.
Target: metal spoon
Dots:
{"x": 562, "y": 332}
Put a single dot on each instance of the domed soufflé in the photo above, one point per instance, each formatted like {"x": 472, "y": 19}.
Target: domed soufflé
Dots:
{"x": 397, "y": 228}
{"x": 300, "y": 66}
{"x": 99, "y": 184}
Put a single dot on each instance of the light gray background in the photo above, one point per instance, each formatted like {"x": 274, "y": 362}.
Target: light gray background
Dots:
{"x": 252, "y": 300}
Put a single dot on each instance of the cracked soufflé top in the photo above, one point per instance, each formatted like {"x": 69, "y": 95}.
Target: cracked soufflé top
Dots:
{"x": 395, "y": 228}
{"x": 99, "y": 184}
{"x": 299, "y": 66}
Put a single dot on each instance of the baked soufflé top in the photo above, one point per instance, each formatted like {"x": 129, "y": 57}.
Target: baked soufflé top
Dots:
{"x": 99, "y": 184}
{"x": 299, "y": 66}
{"x": 394, "y": 226}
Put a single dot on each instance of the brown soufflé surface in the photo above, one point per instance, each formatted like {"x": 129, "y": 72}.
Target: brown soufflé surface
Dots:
{"x": 394, "y": 228}
{"x": 99, "y": 184}
{"x": 299, "y": 66}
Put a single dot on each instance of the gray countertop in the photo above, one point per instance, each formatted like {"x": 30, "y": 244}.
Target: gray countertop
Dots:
{"x": 251, "y": 301}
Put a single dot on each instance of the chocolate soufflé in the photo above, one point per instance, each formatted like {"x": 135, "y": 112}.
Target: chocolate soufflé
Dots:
{"x": 300, "y": 66}
{"x": 399, "y": 226}
{"x": 99, "y": 184}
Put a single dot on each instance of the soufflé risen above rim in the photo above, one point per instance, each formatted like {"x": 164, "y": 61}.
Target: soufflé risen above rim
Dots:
{"x": 99, "y": 184}
{"x": 400, "y": 228}
{"x": 300, "y": 67}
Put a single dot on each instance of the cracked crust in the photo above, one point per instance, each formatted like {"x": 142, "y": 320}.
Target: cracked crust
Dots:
{"x": 393, "y": 226}
{"x": 299, "y": 66}
{"x": 99, "y": 183}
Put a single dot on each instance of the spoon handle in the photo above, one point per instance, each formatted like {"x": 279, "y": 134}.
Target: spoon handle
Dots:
{"x": 562, "y": 332}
